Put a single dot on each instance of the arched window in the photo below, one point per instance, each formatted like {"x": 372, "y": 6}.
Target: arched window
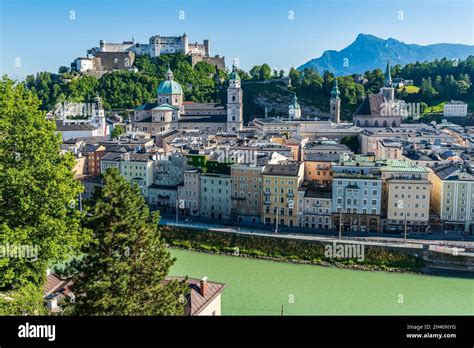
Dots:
{"x": 358, "y": 123}
{"x": 366, "y": 123}
{"x": 376, "y": 123}
{"x": 394, "y": 123}
{"x": 385, "y": 123}
{"x": 233, "y": 98}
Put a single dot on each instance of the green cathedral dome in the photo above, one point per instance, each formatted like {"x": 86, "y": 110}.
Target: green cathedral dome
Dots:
{"x": 169, "y": 86}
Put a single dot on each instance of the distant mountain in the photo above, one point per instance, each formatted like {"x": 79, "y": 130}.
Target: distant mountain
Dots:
{"x": 369, "y": 52}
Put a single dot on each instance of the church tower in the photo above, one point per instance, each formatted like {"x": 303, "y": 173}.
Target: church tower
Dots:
{"x": 335, "y": 103}
{"x": 387, "y": 90}
{"x": 234, "y": 102}
{"x": 294, "y": 109}
{"x": 98, "y": 116}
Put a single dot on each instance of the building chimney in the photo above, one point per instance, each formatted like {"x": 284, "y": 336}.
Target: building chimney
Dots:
{"x": 52, "y": 303}
{"x": 203, "y": 287}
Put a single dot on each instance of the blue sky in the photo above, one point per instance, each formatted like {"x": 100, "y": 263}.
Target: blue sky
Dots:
{"x": 41, "y": 36}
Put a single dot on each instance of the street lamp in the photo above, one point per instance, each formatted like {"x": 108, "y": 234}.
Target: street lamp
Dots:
{"x": 340, "y": 221}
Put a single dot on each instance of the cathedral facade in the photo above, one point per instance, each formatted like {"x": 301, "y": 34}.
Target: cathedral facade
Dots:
{"x": 170, "y": 111}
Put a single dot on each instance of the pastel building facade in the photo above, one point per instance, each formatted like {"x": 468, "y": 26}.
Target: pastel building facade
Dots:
{"x": 356, "y": 194}
{"x": 215, "y": 197}
{"x": 453, "y": 196}
{"x": 406, "y": 196}
{"x": 315, "y": 206}
{"x": 280, "y": 193}
{"x": 246, "y": 193}
{"x": 189, "y": 192}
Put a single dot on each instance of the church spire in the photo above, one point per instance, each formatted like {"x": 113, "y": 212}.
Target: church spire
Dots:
{"x": 335, "y": 90}
{"x": 169, "y": 73}
{"x": 388, "y": 76}
{"x": 234, "y": 75}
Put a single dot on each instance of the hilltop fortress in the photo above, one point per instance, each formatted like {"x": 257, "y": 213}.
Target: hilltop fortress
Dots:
{"x": 121, "y": 56}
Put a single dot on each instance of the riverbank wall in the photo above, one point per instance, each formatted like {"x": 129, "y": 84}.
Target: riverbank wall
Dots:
{"x": 326, "y": 253}
{"x": 410, "y": 257}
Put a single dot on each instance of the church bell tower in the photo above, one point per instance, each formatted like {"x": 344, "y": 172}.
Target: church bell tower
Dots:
{"x": 234, "y": 102}
{"x": 335, "y": 104}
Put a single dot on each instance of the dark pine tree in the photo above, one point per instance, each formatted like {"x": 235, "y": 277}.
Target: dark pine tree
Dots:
{"x": 122, "y": 270}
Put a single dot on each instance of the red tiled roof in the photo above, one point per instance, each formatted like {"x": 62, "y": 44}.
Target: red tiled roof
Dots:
{"x": 196, "y": 303}
{"x": 54, "y": 283}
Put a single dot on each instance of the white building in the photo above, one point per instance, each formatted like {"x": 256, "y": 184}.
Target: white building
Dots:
{"x": 455, "y": 109}
{"x": 215, "y": 197}
{"x": 84, "y": 64}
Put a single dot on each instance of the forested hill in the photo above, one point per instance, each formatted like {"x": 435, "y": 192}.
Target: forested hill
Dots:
{"x": 439, "y": 80}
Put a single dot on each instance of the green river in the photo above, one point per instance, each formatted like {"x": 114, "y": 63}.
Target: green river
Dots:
{"x": 260, "y": 287}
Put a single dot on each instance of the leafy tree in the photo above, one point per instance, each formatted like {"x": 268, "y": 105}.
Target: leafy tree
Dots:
{"x": 37, "y": 190}
{"x": 295, "y": 77}
{"x": 352, "y": 143}
{"x": 255, "y": 72}
{"x": 27, "y": 300}
{"x": 427, "y": 90}
{"x": 123, "y": 269}
{"x": 265, "y": 72}
{"x": 126, "y": 90}
{"x": 243, "y": 74}
{"x": 63, "y": 69}
{"x": 117, "y": 131}
{"x": 281, "y": 73}
{"x": 81, "y": 89}
{"x": 423, "y": 107}
{"x": 375, "y": 80}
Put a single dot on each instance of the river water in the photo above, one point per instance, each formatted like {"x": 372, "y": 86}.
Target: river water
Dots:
{"x": 260, "y": 287}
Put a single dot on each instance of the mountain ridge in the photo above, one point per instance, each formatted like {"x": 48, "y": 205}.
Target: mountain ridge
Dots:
{"x": 368, "y": 52}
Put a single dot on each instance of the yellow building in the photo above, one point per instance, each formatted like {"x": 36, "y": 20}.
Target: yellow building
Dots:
{"x": 405, "y": 196}
{"x": 318, "y": 167}
{"x": 280, "y": 193}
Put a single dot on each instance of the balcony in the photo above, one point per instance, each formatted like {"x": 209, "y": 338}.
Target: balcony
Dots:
{"x": 267, "y": 202}
{"x": 290, "y": 194}
{"x": 267, "y": 193}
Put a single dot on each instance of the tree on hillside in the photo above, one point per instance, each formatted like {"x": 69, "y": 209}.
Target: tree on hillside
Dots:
{"x": 63, "y": 69}
{"x": 123, "y": 269}
{"x": 265, "y": 72}
{"x": 37, "y": 190}
{"x": 427, "y": 90}
{"x": 295, "y": 77}
{"x": 126, "y": 90}
{"x": 255, "y": 72}
{"x": 375, "y": 80}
